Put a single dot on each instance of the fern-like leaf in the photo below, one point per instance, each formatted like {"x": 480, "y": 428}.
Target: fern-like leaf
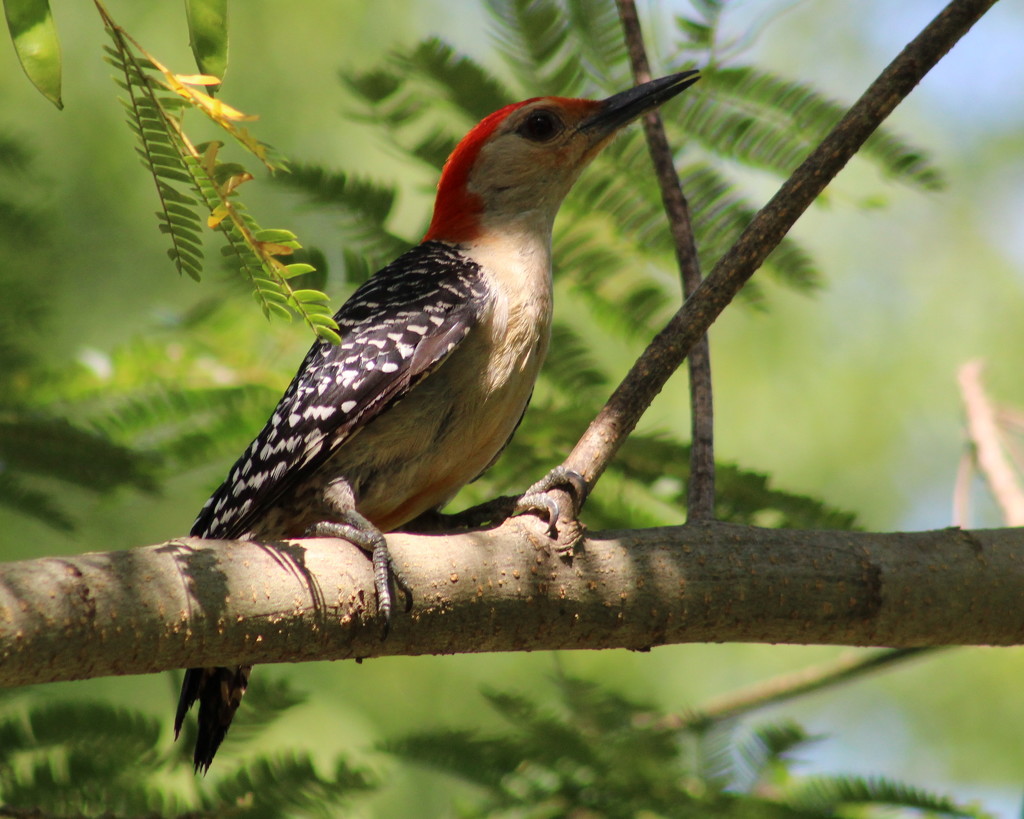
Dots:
{"x": 163, "y": 156}
{"x": 19, "y": 498}
{"x": 744, "y": 496}
{"x": 188, "y": 176}
{"x": 19, "y": 222}
{"x": 536, "y": 39}
{"x": 123, "y": 735}
{"x": 827, "y": 794}
{"x": 467, "y": 85}
{"x": 765, "y": 749}
{"x": 617, "y": 186}
{"x": 463, "y": 754}
{"x": 597, "y": 37}
{"x": 771, "y": 123}
{"x": 35, "y": 449}
{"x": 54, "y": 448}
{"x": 82, "y": 758}
{"x": 286, "y": 785}
{"x": 364, "y": 207}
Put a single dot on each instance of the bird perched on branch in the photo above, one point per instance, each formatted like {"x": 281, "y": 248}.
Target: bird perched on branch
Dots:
{"x": 438, "y": 357}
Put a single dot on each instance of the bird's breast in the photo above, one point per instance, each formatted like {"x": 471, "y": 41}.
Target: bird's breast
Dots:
{"x": 453, "y": 424}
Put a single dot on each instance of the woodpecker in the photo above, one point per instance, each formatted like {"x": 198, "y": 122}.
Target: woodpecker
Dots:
{"x": 438, "y": 357}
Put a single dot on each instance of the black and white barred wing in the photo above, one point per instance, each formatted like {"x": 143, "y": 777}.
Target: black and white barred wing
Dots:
{"x": 395, "y": 330}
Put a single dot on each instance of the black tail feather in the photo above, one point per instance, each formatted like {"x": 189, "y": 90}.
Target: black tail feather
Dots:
{"x": 189, "y": 691}
{"x": 219, "y": 691}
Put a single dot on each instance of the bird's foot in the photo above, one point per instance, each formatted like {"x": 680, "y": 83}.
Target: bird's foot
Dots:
{"x": 360, "y": 532}
{"x": 563, "y": 524}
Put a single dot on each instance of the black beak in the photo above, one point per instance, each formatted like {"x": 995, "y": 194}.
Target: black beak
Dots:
{"x": 626, "y": 106}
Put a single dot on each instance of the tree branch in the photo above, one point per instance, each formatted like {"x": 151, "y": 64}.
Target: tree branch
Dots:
{"x": 793, "y": 684}
{"x": 700, "y": 497}
{"x": 983, "y": 429}
{"x": 191, "y": 602}
{"x": 667, "y": 351}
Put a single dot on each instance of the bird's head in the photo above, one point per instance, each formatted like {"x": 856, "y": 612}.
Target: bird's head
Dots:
{"x": 515, "y": 167}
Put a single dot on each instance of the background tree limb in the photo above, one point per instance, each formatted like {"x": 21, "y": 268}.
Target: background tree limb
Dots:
{"x": 191, "y": 602}
{"x": 667, "y": 351}
{"x": 700, "y": 496}
{"x": 985, "y": 436}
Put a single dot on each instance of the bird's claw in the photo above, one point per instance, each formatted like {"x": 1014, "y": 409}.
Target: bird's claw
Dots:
{"x": 538, "y": 499}
{"x": 373, "y": 543}
{"x": 540, "y": 502}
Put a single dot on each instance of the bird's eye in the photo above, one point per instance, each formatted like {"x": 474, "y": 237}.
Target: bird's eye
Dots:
{"x": 540, "y": 126}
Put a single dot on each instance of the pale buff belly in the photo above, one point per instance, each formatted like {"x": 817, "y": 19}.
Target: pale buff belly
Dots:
{"x": 409, "y": 461}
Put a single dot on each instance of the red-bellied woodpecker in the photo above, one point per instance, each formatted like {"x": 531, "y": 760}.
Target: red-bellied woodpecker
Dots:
{"x": 438, "y": 357}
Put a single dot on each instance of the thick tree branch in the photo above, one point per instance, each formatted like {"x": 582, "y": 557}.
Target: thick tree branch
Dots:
{"x": 667, "y": 351}
{"x": 192, "y": 602}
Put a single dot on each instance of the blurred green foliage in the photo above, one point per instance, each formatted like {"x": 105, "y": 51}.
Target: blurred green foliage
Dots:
{"x": 145, "y": 388}
{"x": 76, "y": 758}
{"x": 590, "y": 753}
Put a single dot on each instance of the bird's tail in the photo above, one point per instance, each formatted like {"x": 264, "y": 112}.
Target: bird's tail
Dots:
{"x": 219, "y": 691}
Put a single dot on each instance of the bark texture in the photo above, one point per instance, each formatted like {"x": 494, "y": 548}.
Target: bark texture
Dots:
{"x": 191, "y": 602}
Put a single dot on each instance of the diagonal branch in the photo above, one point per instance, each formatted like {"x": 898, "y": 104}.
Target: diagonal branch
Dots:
{"x": 791, "y": 685}
{"x": 667, "y": 351}
{"x": 700, "y": 501}
{"x": 192, "y": 603}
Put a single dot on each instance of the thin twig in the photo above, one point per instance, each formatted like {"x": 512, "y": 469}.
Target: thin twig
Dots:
{"x": 992, "y": 461}
{"x": 667, "y": 351}
{"x": 792, "y": 685}
{"x": 700, "y": 502}
{"x": 962, "y": 490}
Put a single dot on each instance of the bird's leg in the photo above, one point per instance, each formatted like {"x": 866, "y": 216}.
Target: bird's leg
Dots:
{"x": 360, "y": 532}
{"x": 348, "y": 524}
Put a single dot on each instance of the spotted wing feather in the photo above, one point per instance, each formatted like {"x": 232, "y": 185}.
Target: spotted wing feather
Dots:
{"x": 395, "y": 330}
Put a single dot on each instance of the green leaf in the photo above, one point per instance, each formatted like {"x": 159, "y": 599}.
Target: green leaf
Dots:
{"x": 309, "y": 296}
{"x": 62, "y": 757}
{"x": 274, "y": 235}
{"x": 765, "y": 751}
{"x": 35, "y": 40}
{"x": 298, "y": 269}
{"x": 225, "y": 170}
{"x": 174, "y": 195}
{"x": 272, "y": 307}
{"x": 208, "y": 35}
{"x": 327, "y": 334}
{"x": 321, "y": 321}
{"x": 186, "y": 427}
{"x": 123, "y": 734}
{"x": 700, "y": 35}
{"x": 268, "y": 285}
